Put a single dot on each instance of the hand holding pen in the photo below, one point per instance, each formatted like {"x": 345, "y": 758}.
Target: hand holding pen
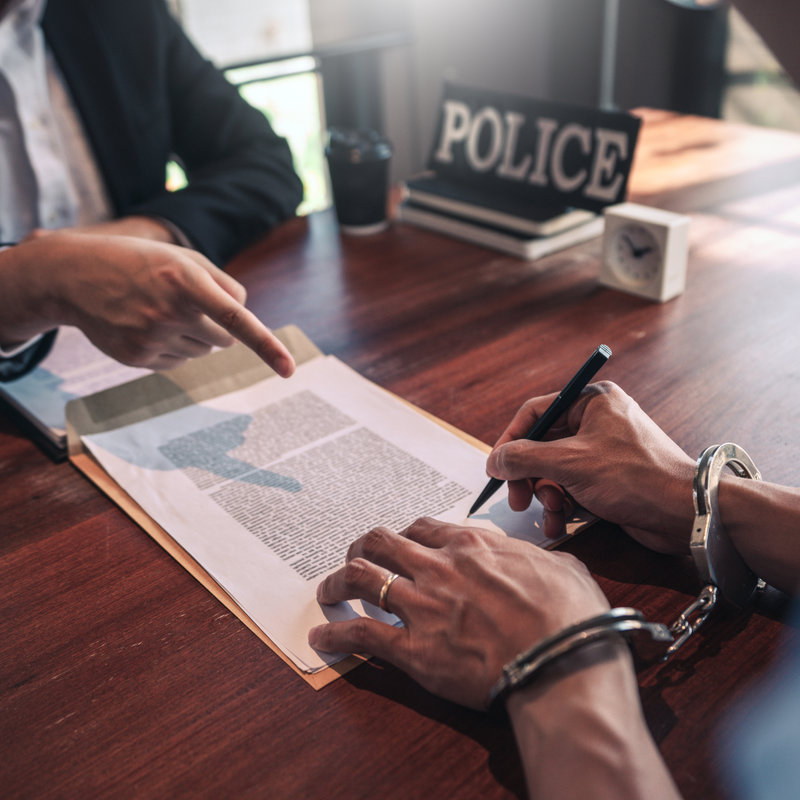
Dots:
{"x": 563, "y": 401}
{"x": 607, "y": 456}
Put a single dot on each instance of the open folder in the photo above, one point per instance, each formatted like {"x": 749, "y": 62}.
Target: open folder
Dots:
{"x": 257, "y": 485}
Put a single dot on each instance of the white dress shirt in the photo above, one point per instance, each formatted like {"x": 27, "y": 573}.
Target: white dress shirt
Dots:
{"x": 50, "y": 176}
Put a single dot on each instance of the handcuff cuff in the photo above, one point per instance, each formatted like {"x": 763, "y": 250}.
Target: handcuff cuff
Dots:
{"x": 720, "y": 568}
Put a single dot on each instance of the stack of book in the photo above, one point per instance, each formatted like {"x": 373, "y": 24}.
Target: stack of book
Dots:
{"x": 504, "y": 222}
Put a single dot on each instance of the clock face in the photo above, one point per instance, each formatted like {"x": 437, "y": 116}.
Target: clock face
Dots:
{"x": 635, "y": 255}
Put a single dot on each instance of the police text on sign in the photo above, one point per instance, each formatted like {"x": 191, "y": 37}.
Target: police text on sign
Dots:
{"x": 557, "y": 154}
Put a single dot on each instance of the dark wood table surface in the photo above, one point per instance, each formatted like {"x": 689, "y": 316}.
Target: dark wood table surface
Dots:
{"x": 120, "y": 676}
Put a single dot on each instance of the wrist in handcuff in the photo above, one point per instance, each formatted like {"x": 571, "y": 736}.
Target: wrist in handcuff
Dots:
{"x": 721, "y": 569}
{"x": 560, "y": 651}
{"x": 581, "y": 673}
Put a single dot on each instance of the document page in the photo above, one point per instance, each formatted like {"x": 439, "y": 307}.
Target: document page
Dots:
{"x": 267, "y": 487}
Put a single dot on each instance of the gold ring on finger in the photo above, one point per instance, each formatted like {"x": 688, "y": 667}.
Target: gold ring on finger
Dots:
{"x": 390, "y": 579}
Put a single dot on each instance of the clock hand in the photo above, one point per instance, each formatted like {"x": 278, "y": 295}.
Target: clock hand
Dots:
{"x": 636, "y": 252}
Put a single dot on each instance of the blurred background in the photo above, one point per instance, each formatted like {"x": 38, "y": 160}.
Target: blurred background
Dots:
{"x": 380, "y": 64}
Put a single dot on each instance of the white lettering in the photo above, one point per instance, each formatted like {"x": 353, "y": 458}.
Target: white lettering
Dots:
{"x": 559, "y": 156}
{"x": 562, "y": 181}
{"x": 490, "y": 116}
{"x": 456, "y": 125}
{"x": 610, "y": 144}
{"x": 547, "y": 128}
{"x": 507, "y": 169}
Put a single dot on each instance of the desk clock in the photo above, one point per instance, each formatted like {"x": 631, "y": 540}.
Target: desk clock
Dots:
{"x": 645, "y": 251}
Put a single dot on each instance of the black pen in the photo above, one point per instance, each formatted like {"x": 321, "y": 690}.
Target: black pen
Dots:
{"x": 564, "y": 400}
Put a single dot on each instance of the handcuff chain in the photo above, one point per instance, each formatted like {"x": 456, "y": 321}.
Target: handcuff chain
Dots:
{"x": 683, "y": 627}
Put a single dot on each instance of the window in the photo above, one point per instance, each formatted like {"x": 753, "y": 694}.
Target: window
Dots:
{"x": 256, "y": 45}
{"x": 758, "y": 91}
{"x": 289, "y": 93}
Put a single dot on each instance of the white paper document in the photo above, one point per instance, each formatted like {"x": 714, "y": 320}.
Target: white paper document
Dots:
{"x": 267, "y": 487}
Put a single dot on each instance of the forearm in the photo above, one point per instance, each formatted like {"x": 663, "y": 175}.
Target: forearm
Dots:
{"x": 581, "y": 733}
{"x": 29, "y": 303}
{"x": 140, "y": 227}
{"x": 761, "y": 519}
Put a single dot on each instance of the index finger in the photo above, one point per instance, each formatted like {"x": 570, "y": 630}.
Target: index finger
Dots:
{"x": 531, "y": 410}
{"x": 242, "y": 323}
{"x": 525, "y": 418}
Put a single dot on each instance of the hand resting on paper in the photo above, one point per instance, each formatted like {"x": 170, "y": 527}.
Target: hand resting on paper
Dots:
{"x": 145, "y": 303}
{"x": 455, "y": 593}
{"x": 470, "y": 601}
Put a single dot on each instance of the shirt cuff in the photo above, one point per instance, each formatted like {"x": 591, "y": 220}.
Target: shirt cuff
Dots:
{"x": 9, "y": 351}
{"x": 180, "y": 237}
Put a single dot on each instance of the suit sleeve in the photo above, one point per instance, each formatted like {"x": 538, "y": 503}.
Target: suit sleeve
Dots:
{"x": 241, "y": 177}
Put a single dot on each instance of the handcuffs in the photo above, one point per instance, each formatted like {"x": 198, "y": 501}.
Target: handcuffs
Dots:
{"x": 722, "y": 572}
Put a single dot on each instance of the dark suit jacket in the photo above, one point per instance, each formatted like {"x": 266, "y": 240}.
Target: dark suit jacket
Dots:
{"x": 145, "y": 95}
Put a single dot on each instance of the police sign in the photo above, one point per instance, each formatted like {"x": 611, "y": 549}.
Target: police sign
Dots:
{"x": 548, "y": 153}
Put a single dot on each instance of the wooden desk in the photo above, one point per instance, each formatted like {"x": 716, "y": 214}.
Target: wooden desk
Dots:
{"x": 120, "y": 676}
